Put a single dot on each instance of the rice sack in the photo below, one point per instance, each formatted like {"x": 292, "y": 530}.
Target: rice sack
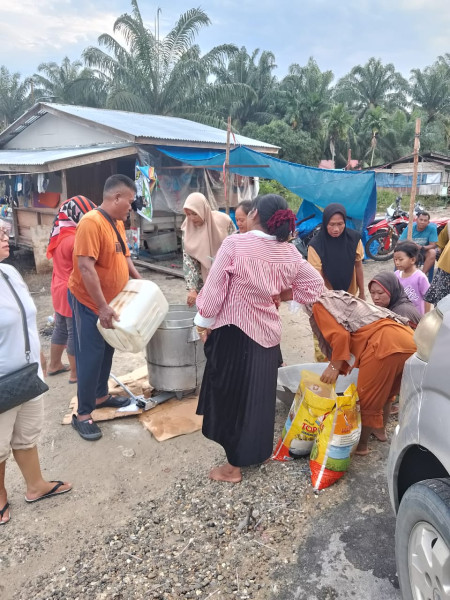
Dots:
{"x": 338, "y": 435}
{"x": 312, "y": 402}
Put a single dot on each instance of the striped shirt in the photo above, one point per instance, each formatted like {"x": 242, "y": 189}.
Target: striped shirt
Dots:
{"x": 248, "y": 270}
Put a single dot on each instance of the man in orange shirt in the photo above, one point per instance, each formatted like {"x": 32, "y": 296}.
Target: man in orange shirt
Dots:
{"x": 101, "y": 268}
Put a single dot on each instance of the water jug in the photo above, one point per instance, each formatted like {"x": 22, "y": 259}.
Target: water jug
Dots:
{"x": 141, "y": 306}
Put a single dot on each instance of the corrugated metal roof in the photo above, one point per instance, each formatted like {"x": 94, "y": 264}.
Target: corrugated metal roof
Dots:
{"x": 156, "y": 127}
{"x": 43, "y": 157}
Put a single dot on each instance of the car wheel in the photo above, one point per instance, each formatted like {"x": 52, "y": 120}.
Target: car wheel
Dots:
{"x": 422, "y": 541}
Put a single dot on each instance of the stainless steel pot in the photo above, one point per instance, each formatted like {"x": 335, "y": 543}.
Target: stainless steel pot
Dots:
{"x": 175, "y": 356}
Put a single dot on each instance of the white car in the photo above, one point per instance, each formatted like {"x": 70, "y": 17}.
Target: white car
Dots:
{"x": 419, "y": 463}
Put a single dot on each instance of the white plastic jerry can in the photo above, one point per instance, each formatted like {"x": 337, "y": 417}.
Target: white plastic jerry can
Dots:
{"x": 141, "y": 307}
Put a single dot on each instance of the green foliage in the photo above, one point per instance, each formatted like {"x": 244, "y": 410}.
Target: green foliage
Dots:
{"x": 387, "y": 197}
{"x": 259, "y": 96}
{"x": 270, "y": 186}
{"x": 69, "y": 83}
{"x": 165, "y": 76}
{"x": 430, "y": 90}
{"x": 15, "y": 96}
{"x": 372, "y": 85}
{"x": 296, "y": 146}
{"x": 306, "y": 95}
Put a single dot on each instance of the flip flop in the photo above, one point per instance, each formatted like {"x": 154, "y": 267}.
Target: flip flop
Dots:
{"x": 70, "y": 381}
{"x": 59, "y": 371}
{"x": 52, "y": 492}
{"x": 2, "y": 512}
{"x": 114, "y": 402}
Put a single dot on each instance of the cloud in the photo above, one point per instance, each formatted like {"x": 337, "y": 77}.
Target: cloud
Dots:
{"x": 36, "y": 28}
{"x": 409, "y": 33}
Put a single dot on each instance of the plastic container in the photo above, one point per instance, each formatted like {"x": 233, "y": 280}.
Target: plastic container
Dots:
{"x": 141, "y": 306}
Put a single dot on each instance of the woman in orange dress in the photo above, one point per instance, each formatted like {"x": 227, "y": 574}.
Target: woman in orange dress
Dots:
{"x": 353, "y": 333}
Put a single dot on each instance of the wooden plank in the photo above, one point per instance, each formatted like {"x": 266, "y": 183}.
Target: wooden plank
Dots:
{"x": 159, "y": 268}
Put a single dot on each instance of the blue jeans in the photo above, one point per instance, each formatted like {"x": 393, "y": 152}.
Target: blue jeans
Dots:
{"x": 93, "y": 357}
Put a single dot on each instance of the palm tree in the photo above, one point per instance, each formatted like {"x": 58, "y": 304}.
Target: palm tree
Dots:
{"x": 430, "y": 90}
{"x": 165, "y": 76}
{"x": 258, "y": 102}
{"x": 375, "y": 121}
{"x": 372, "y": 85}
{"x": 338, "y": 123}
{"x": 14, "y": 96}
{"x": 306, "y": 96}
{"x": 68, "y": 83}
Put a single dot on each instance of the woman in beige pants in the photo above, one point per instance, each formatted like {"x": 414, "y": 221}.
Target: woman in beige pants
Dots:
{"x": 20, "y": 427}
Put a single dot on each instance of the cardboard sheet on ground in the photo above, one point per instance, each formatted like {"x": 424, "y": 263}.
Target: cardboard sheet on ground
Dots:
{"x": 165, "y": 421}
{"x": 173, "y": 418}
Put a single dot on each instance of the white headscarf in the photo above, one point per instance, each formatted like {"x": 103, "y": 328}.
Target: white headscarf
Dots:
{"x": 203, "y": 242}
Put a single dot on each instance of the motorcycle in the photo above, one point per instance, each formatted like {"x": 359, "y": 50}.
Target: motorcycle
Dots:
{"x": 301, "y": 242}
{"x": 384, "y": 232}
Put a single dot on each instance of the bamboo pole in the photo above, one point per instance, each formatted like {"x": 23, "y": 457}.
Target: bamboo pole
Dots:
{"x": 412, "y": 199}
{"x": 227, "y": 177}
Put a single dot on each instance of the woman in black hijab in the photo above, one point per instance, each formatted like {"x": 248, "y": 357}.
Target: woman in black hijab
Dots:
{"x": 337, "y": 252}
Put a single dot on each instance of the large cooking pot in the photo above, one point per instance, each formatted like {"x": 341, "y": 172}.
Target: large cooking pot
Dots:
{"x": 175, "y": 356}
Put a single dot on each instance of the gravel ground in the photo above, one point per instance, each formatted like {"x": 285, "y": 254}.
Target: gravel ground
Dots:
{"x": 202, "y": 539}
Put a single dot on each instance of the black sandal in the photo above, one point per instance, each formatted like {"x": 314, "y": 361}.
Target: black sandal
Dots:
{"x": 87, "y": 429}
{"x": 2, "y": 512}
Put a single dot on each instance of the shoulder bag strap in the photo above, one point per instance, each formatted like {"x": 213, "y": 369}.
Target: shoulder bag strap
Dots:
{"x": 113, "y": 225}
{"x": 24, "y": 318}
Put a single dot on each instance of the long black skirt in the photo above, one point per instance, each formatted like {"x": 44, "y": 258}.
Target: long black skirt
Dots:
{"x": 237, "y": 397}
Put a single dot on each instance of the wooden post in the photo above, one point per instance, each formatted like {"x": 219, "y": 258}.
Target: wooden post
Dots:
{"x": 63, "y": 186}
{"x": 227, "y": 178}
{"x": 412, "y": 199}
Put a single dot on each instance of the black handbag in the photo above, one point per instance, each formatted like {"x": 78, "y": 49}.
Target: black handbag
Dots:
{"x": 24, "y": 384}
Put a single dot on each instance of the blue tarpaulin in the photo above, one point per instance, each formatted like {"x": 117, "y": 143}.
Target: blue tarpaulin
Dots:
{"x": 356, "y": 190}
{"x": 393, "y": 180}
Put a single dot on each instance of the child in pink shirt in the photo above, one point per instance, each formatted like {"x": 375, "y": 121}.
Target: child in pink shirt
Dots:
{"x": 414, "y": 282}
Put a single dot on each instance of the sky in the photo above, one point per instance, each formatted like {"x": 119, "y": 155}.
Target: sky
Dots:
{"x": 339, "y": 35}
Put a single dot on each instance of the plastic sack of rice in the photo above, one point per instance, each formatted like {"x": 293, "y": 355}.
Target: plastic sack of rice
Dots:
{"x": 338, "y": 435}
{"x": 312, "y": 402}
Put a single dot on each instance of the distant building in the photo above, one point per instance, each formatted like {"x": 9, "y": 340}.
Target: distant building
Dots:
{"x": 432, "y": 180}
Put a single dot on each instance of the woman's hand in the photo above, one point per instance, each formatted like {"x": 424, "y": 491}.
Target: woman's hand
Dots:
{"x": 191, "y": 298}
{"x": 330, "y": 374}
{"x": 204, "y": 334}
{"x": 286, "y": 295}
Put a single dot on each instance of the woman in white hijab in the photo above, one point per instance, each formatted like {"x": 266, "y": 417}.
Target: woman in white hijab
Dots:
{"x": 203, "y": 232}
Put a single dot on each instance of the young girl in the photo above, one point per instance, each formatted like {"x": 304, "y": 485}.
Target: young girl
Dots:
{"x": 412, "y": 279}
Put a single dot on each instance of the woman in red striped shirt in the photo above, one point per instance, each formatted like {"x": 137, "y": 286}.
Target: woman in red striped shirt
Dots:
{"x": 239, "y": 321}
